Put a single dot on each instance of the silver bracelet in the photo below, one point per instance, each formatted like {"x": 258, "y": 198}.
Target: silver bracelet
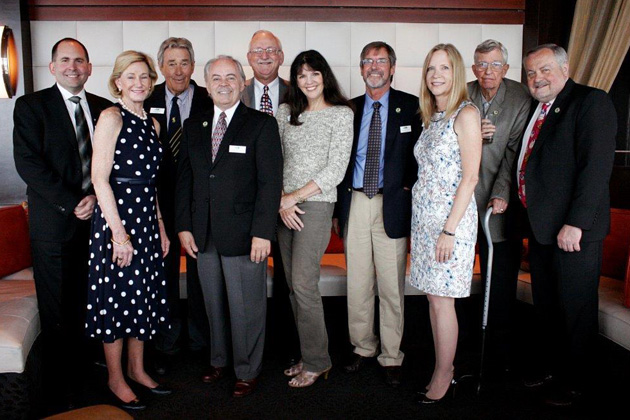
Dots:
{"x": 447, "y": 233}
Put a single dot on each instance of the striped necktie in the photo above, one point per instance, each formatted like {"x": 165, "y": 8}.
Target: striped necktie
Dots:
{"x": 84, "y": 143}
{"x": 174, "y": 128}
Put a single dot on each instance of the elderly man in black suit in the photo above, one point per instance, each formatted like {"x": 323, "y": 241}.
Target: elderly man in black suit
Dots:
{"x": 53, "y": 152}
{"x": 505, "y": 107}
{"x": 228, "y": 194}
{"x": 171, "y": 103}
{"x": 374, "y": 210}
{"x": 561, "y": 195}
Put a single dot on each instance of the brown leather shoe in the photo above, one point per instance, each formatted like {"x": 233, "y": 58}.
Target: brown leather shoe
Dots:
{"x": 244, "y": 387}
{"x": 213, "y": 375}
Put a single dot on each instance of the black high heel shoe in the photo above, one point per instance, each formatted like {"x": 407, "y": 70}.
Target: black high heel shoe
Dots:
{"x": 450, "y": 392}
{"x": 134, "y": 405}
{"x": 158, "y": 390}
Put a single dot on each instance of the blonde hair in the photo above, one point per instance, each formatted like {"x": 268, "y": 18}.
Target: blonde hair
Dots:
{"x": 458, "y": 92}
{"x": 124, "y": 60}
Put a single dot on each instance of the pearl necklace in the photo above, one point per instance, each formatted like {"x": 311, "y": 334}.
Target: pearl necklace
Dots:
{"x": 124, "y": 106}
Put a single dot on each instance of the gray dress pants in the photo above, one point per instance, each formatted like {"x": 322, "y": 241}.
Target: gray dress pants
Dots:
{"x": 302, "y": 252}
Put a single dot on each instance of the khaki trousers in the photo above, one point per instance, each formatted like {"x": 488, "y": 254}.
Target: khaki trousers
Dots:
{"x": 375, "y": 262}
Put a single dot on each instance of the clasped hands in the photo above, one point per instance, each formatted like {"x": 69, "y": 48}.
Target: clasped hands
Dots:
{"x": 289, "y": 212}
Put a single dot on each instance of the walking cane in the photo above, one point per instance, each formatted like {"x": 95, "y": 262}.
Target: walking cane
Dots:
{"x": 486, "y": 299}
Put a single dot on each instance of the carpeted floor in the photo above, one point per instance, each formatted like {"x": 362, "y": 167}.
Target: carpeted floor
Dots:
{"x": 364, "y": 395}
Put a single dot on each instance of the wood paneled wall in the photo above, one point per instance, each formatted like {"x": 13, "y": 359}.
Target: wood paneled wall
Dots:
{"x": 422, "y": 11}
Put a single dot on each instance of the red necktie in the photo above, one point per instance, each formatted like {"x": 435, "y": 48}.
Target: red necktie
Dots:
{"x": 528, "y": 151}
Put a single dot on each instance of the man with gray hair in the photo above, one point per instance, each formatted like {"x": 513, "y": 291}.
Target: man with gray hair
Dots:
{"x": 228, "y": 193}
{"x": 265, "y": 91}
{"x": 505, "y": 106}
{"x": 171, "y": 103}
{"x": 561, "y": 196}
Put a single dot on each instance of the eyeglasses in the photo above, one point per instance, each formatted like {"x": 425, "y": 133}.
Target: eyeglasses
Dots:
{"x": 378, "y": 61}
{"x": 494, "y": 66}
{"x": 269, "y": 50}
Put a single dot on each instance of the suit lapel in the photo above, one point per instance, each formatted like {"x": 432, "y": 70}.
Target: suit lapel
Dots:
{"x": 200, "y": 96}
{"x": 238, "y": 120}
{"x": 205, "y": 139}
{"x": 553, "y": 115}
{"x": 494, "y": 111}
{"x": 393, "y": 121}
{"x": 60, "y": 110}
{"x": 282, "y": 91}
{"x": 359, "y": 103}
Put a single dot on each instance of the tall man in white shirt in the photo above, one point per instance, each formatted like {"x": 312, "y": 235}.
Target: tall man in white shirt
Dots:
{"x": 52, "y": 148}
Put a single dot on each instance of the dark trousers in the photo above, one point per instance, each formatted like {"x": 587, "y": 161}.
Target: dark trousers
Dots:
{"x": 166, "y": 340}
{"x": 60, "y": 271}
{"x": 564, "y": 289}
{"x": 505, "y": 265}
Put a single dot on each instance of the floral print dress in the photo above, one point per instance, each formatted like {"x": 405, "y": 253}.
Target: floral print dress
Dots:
{"x": 439, "y": 174}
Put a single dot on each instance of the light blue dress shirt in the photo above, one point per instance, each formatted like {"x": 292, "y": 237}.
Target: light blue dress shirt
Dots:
{"x": 368, "y": 110}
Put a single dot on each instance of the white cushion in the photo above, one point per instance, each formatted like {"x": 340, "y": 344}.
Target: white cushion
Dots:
{"x": 19, "y": 323}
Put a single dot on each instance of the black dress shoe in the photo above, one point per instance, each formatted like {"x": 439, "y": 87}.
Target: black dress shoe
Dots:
{"x": 564, "y": 398}
{"x": 392, "y": 375}
{"x": 538, "y": 381}
{"x": 357, "y": 364}
{"x": 449, "y": 395}
{"x": 160, "y": 390}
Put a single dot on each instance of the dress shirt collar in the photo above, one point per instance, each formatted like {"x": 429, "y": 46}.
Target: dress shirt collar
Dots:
{"x": 229, "y": 113}
{"x": 384, "y": 100}
{"x": 67, "y": 95}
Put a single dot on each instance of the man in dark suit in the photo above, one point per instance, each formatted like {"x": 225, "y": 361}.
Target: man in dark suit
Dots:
{"x": 265, "y": 92}
{"x": 171, "y": 103}
{"x": 561, "y": 195}
{"x": 228, "y": 194}
{"x": 53, "y": 152}
{"x": 504, "y": 104}
{"x": 374, "y": 210}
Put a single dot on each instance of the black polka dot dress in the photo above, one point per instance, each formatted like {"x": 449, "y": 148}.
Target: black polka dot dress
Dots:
{"x": 129, "y": 301}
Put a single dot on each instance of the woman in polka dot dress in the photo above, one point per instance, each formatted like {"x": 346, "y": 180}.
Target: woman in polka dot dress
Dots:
{"x": 127, "y": 284}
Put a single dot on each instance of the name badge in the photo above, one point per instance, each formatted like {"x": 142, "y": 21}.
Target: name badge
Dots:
{"x": 156, "y": 111}
{"x": 237, "y": 149}
{"x": 405, "y": 129}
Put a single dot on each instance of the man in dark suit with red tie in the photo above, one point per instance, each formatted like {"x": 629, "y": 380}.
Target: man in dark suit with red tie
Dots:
{"x": 171, "y": 103}
{"x": 560, "y": 188}
{"x": 53, "y": 151}
{"x": 227, "y": 198}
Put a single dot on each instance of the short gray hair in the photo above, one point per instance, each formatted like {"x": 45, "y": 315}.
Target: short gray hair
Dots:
{"x": 560, "y": 53}
{"x": 210, "y": 62}
{"x": 491, "y": 45}
{"x": 173, "y": 42}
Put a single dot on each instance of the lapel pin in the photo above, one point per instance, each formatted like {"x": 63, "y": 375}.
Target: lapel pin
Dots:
{"x": 205, "y": 123}
{"x": 495, "y": 112}
{"x": 557, "y": 110}
{"x": 398, "y": 110}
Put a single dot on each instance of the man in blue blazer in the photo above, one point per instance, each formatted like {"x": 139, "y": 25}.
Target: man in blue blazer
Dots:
{"x": 55, "y": 165}
{"x": 560, "y": 178}
{"x": 373, "y": 211}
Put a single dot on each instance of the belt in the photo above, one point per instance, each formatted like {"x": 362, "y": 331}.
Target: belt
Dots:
{"x": 134, "y": 181}
{"x": 380, "y": 190}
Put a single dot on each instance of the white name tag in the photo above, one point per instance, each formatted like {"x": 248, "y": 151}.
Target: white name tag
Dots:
{"x": 405, "y": 129}
{"x": 237, "y": 149}
{"x": 156, "y": 111}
